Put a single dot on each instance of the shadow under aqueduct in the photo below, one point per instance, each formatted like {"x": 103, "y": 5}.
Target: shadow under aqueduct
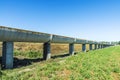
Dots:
{"x": 28, "y": 61}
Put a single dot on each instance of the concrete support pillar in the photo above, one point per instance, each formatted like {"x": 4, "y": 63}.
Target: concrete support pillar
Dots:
{"x": 101, "y": 46}
{"x": 95, "y": 46}
{"x": 84, "y": 47}
{"x": 71, "y": 49}
{"x": 46, "y": 51}
{"x": 104, "y": 46}
{"x": 7, "y": 55}
{"x": 90, "y": 46}
{"x": 98, "y": 46}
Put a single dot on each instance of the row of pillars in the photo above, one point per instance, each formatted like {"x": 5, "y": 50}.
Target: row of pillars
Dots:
{"x": 8, "y": 49}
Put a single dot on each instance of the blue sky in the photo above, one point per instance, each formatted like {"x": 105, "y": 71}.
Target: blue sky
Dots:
{"x": 87, "y": 19}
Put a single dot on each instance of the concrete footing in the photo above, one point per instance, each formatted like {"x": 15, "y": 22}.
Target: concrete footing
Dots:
{"x": 7, "y": 55}
{"x": 71, "y": 49}
{"x": 46, "y": 51}
{"x": 84, "y": 47}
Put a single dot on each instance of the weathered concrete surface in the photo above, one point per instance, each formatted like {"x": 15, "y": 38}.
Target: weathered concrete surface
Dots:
{"x": 46, "y": 51}
{"x": 7, "y": 55}
{"x": 84, "y": 47}
{"x": 99, "y": 46}
{"x": 90, "y": 46}
{"x": 95, "y": 46}
{"x": 71, "y": 49}
{"x": 62, "y": 39}
{"x": 90, "y": 42}
{"x": 81, "y": 41}
{"x": 102, "y": 46}
{"x": 18, "y": 35}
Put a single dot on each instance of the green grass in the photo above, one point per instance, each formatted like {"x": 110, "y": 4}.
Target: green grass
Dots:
{"x": 101, "y": 64}
{"x": 28, "y": 54}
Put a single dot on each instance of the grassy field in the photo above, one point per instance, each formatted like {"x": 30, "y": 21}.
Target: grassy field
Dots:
{"x": 101, "y": 64}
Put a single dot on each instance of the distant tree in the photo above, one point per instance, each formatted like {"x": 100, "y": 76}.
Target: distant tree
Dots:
{"x": 119, "y": 43}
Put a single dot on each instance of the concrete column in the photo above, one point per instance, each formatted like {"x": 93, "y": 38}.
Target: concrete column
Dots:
{"x": 90, "y": 46}
{"x": 46, "y": 51}
{"x": 95, "y": 46}
{"x": 7, "y": 55}
{"x": 101, "y": 46}
{"x": 84, "y": 47}
{"x": 71, "y": 49}
{"x": 104, "y": 46}
{"x": 98, "y": 46}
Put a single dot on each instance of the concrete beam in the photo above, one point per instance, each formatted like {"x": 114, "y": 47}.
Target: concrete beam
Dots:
{"x": 46, "y": 51}
{"x": 80, "y": 41}
{"x": 19, "y": 35}
{"x": 84, "y": 47}
{"x": 90, "y": 42}
{"x": 62, "y": 39}
{"x": 71, "y": 49}
{"x": 7, "y": 55}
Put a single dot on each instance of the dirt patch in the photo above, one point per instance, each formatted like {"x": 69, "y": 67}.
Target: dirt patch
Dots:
{"x": 64, "y": 74}
{"x": 44, "y": 78}
{"x": 115, "y": 76}
{"x": 26, "y": 70}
